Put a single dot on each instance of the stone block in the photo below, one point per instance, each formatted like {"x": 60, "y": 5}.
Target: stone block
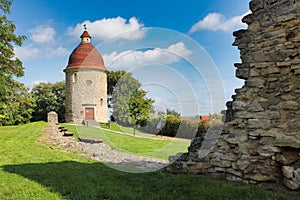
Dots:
{"x": 290, "y": 105}
{"x": 270, "y": 148}
{"x": 255, "y": 107}
{"x": 242, "y": 164}
{"x": 297, "y": 175}
{"x": 260, "y": 177}
{"x": 259, "y": 123}
{"x": 270, "y": 70}
{"x": 239, "y": 105}
{"x": 234, "y": 172}
{"x": 242, "y": 73}
{"x": 236, "y": 139}
{"x": 243, "y": 115}
{"x": 220, "y": 163}
{"x": 255, "y": 83}
{"x": 248, "y": 19}
{"x": 200, "y": 167}
{"x": 287, "y": 157}
{"x": 288, "y": 171}
{"x": 52, "y": 117}
{"x": 293, "y": 185}
{"x": 254, "y": 72}
{"x": 284, "y": 64}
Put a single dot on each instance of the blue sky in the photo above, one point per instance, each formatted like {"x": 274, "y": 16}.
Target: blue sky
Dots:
{"x": 158, "y": 38}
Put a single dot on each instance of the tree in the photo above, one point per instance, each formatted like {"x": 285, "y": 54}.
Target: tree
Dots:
{"x": 130, "y": 105}
{"x": 139, "y": 108}
{"x": 49, "y": 97}
{"x": 112, "y": 79}
{"x": 9, "y": 65}
{"x": 215, "y": 116}
{"x": 16, "y": 106}
{"x": 15, "y": 102}
{"x": 173, "y": 112}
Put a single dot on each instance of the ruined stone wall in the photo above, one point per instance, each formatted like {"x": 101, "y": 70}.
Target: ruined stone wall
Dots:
{"x": 260, "y": 140}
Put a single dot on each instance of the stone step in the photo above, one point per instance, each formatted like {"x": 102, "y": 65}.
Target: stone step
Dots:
{"x": 90, "y": 140}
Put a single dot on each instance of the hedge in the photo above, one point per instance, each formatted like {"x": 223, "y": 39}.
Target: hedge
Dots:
{"x": 178, "y": 127}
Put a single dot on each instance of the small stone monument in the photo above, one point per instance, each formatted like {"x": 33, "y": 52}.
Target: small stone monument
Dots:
{"x": 52, "y": 117}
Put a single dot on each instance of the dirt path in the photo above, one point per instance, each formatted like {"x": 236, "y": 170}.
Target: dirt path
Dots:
{"x": 122, "y": 161}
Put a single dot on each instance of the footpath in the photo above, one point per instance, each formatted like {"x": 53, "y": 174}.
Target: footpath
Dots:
{"x": 119, "y": 160}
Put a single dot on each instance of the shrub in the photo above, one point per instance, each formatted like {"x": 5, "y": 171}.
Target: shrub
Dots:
{"x": 180, "y": 127}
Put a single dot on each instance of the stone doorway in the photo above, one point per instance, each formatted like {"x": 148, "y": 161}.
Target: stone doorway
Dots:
{"x": 89, "y": 113}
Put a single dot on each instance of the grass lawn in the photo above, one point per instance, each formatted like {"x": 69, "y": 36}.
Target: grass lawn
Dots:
{"x": 32, "y": 170}
{"x": 116, "y": 127}
{"x": 142, "y": 146}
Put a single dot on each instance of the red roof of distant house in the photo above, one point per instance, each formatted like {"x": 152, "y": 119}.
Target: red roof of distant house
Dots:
{"x": 86, "y": 56}
{"x": 203, "y": 117}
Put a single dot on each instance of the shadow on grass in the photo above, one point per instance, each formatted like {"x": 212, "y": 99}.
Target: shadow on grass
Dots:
{"x": 75, "y": 180}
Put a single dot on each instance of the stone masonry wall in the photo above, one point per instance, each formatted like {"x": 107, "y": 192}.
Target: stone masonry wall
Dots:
{"x": 89, "y": 90}
{"x": 260, "y": 141}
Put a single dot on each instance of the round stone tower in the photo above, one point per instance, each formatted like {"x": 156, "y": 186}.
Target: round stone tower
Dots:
{"x": 86, "y": 84}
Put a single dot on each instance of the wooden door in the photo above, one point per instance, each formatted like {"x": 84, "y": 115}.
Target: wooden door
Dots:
{"x": 89, "y": 113}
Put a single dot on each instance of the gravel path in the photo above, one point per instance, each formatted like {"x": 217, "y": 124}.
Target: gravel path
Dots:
{"x": 116, "y": 159}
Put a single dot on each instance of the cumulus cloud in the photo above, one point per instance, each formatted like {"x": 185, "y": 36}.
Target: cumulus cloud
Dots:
{"x": 128, "y": 59}
{"x": 59, "y": 51}
{"x": 42, "y": 34}
{"x": 106, "y": 28}
{"x": 217, "y": 21}
{"x": 26, "y": 52}
{"x": 31, "y": 52}
{"x": 36, "y": 82}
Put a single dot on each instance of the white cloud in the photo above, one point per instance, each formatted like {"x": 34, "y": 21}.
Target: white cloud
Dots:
{"x": 217, "y": 21}
{"x": 59, "y": 51}
{"x": 42, "y": 34}
{"x": 106, "y": 28}
{"x": 128, "y": 59}
{"x": 37, "y": 82}
{"x": 161, "y": 101}
{"x": 26, "y": 52}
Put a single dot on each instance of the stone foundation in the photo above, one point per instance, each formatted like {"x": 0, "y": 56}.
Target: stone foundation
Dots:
{"x": 260, "y": 141}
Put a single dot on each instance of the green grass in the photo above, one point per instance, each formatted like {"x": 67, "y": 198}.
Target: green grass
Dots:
{"x": 142, "y": 146}
{"x": 32, "y": 170}
{"x": 116, "y": 127}
{"x": 113, "y": 126}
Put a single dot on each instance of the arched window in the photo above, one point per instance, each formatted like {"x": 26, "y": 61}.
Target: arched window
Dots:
{"x": 74, "y": 78}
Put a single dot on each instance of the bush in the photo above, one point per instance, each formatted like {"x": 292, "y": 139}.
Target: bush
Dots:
{"x": 180, "y": 127}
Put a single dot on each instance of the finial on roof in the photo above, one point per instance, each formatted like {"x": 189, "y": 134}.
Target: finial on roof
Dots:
{"x": 85, "y": 36}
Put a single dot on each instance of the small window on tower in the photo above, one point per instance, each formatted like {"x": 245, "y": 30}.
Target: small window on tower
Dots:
{"x": 88, "y": 82}
{"x": 74, "y": 78}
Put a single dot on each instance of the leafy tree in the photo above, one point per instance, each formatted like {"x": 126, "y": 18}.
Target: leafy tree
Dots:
{"x": 112, "y": 79}
{"x": 173, "y": 112}
{"x": 49, "y": 97}
{"x": 9, "y": 65}
{"x": 16, "y": 106}
{"x": 215, "y": 116}
{"x": 130, "y": 105}
{"x": 139, "y": 107}
{"x": 15, "y": 102}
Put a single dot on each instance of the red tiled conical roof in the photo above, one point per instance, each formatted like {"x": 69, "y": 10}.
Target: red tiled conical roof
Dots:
{"x": 85, "y": 34}
{"x": 86, "y": 56}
